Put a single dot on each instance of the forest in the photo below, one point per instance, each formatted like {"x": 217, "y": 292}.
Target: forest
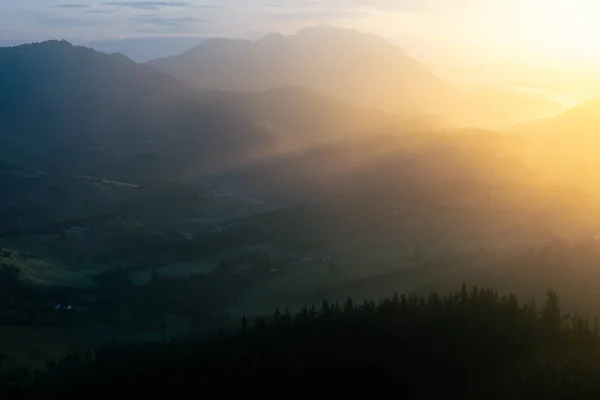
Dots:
{"x": 473, "y": 343}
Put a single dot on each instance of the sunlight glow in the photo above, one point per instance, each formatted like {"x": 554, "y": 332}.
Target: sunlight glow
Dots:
{"x": 568, "y": 28}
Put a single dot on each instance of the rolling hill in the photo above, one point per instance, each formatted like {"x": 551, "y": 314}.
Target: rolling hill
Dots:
{"x": 73, "y": 109}
{"x": 297, "y": 117}
{"x": 565, "y": 145}
{"x": 300, "y": 117}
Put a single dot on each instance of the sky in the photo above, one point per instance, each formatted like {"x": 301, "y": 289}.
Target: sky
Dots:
{"x": 465, "y": 36}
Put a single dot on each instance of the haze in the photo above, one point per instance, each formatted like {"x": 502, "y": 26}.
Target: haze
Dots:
{"x": 181, "y": 181}
{"x": 548, "y": 44}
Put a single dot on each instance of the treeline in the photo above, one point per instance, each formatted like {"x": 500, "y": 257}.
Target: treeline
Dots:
{"x": 116, "y": 301}
{"x": 200, "y": 297}
{"x": 470, "y": 344}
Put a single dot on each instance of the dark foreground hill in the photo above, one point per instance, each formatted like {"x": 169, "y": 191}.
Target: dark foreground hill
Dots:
{"x": 472, "y": 344}
{"x": 73, "y": 109}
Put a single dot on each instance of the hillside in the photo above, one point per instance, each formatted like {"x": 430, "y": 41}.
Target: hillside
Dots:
{"x": 70, "y": 108}
{"x": 299, "y": 117}
{"x": 387, "y": 157}
{"x": 581, "y": 120}
{"x": 565, "y": 145}
{"x": 361, "y": 69}
{"x": 341, "y": 63}
{"x": 372, "y": 204}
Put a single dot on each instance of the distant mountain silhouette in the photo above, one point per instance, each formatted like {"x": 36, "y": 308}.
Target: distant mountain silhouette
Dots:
{"x": 74, "y": 109}
{"x": 364, "y": 70}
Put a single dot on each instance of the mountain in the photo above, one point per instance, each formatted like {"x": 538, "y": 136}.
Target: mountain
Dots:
{"x": 363, "y": 70}
{"x": 566, "y": 144}
{"x": 389, "y": 159}
{"x": 498, "y": 107}
{"x": 376, "y": 198}
{"x": 299, "y": 117}
{"x": 583, "y": 119}
{"x": 73, "y": 109}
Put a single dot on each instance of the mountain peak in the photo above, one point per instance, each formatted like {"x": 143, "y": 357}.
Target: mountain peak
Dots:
{"x": 361, "y": 69}
{"x": 331, "y": 30}
{"x": 272, "y": 37}
{"x": 80, "y": 99}
{"x": 48, "y": 44}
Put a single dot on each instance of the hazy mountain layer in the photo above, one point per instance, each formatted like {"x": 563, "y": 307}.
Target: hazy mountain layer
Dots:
{"x": 298, "y": 117}
{"x": 565, "y": 146}
{"x": 362, "y": 69}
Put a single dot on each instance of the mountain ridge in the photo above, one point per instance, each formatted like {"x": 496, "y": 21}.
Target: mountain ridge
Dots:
{"x": 77, "y": 108}
{"x": 361, "y": 69}
{"x": 241, "y": 65}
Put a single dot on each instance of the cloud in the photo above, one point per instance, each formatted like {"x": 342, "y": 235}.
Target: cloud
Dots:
{"x": 76, "y": 6}
{"x": 319, "y": 14}
{"x": 158, "y": 20}
{"x": 230, "y": 18}
{"x": 100, "y": 11}
{"x": 421, "y": 6}
{"x": 150, "y": 5}
{"x": 63, "y": 21}
{"x": 88, "y": 9}
{"x": 212, "y": 7}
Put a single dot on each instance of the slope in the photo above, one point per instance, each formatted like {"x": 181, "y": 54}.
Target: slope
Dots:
{"x": 299, "y": 117}
{"x": 72, "y": 109}
{"x": 364, "y": 70}
{"x": 345, "y": 64}
{"x": 565, "y": 145}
